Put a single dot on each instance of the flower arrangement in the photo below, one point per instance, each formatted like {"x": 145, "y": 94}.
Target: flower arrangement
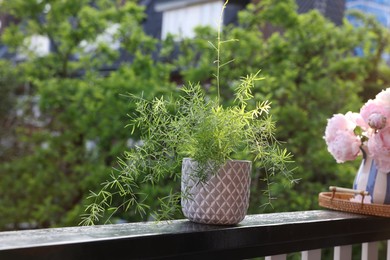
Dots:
{"x": 345, "y": 135}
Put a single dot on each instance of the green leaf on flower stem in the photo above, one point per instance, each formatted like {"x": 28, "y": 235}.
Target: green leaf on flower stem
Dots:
{"x": 358, "y": 131}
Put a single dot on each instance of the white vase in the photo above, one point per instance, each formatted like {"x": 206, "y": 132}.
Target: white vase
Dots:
{"x": 223, "y": 199}
{"x": 370, "y": 179}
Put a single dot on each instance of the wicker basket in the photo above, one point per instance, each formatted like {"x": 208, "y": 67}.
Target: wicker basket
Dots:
{"x": 339, "y": 199}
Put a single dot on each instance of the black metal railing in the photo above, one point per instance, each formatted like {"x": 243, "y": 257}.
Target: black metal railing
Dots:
{"x": 257, "y": 235}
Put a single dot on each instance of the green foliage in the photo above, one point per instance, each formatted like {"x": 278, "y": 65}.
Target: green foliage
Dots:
{"x": 76, "y": 29}
{"x": 10, "y": 79}
{"x": 196, "y": 126}
{"x": 6, "y": 77}
{"x": 67, "y": 146}
{"x": 192, "y": 126}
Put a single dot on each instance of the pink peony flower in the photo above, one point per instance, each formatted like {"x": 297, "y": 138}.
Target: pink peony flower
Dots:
{"x": 338, "y": 122}
{"x": 384, "y": 97}
{"x": 342, "y": 142}
{"x": 379, "y": 148}
{"x": 345, "y": 146}
{"x": 374, "y": 107}
{"x": 357, "y": 119}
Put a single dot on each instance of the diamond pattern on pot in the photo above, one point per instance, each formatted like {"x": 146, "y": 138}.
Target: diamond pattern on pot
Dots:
{"x": 223, "y": 199}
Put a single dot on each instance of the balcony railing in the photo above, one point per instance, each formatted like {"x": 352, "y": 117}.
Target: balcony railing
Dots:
{"x": 272, "y": 235}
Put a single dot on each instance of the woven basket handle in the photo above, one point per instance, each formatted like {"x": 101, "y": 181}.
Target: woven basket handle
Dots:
{"x": 345, "y": 190}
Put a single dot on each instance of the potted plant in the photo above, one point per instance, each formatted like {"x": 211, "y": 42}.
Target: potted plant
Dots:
{"x": 205, "y": 138}
{"x": 366, "y": 133}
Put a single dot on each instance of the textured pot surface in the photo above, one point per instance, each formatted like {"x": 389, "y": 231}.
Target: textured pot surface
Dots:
{"x": 223, "y": 199}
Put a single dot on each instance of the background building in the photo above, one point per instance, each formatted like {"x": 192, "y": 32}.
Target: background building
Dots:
{"x": 379, "y": 8}
{"x": 332, "y": 9}
{"x": 180, "y": 17}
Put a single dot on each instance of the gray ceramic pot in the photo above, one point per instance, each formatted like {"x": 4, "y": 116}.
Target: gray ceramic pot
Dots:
{"x": 223, "y": 199}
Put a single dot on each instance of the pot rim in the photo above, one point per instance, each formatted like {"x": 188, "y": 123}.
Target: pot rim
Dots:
{"x": 229, "y": 160}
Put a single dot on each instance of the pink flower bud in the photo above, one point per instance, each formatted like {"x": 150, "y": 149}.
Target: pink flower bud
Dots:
{"x": 377, "y": 121}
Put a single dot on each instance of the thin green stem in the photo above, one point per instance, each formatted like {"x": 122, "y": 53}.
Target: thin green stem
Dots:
{"x": 219, "y": 43}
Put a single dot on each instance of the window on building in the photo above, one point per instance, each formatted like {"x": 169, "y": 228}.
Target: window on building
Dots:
{"x": 108, "y": 37}
{"x": 36, "y": 44}
{"x": 181, "y": 20}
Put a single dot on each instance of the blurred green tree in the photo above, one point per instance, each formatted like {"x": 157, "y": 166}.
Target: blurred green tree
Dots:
{"x": 72, "y": 127}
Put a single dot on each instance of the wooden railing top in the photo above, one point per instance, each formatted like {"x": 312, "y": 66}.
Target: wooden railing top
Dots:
{"x": 257, "y": 235}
